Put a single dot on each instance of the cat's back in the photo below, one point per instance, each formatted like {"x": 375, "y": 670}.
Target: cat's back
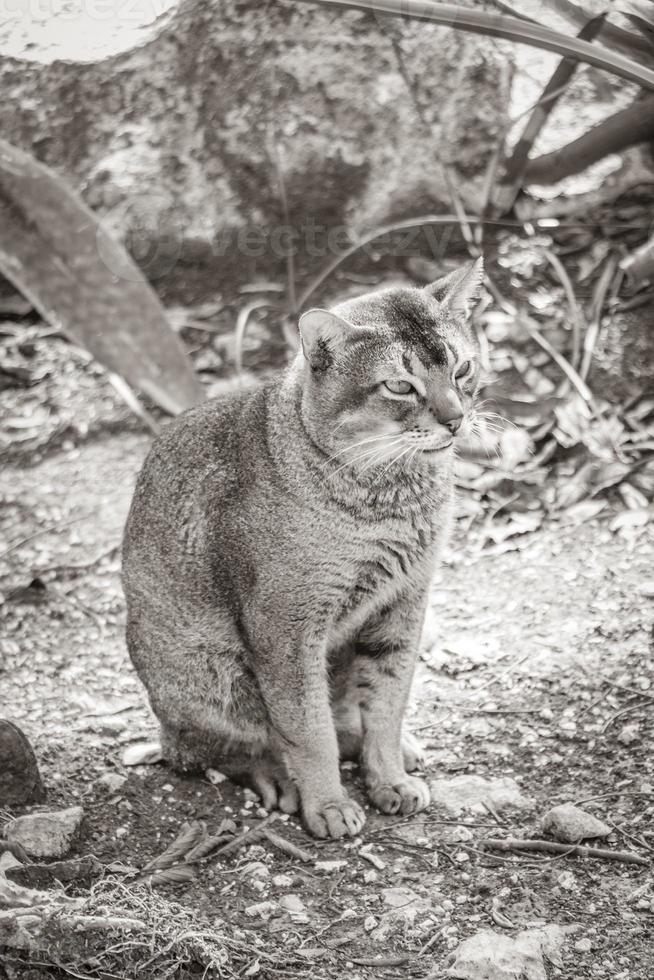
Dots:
{"x": 202, "y": 456}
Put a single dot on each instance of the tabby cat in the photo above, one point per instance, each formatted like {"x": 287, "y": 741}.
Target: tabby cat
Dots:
{"x": 279, "y": 549}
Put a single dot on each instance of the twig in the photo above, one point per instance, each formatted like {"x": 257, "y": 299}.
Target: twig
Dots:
{"x": 287, "y": 847}
{"x": 249, "y": 837}
{"x": 43, "y": 530}
{"x": 242, "y": 319}
{"x": 625, "y": 833}
{"x": 609, "y": 796}
{"x": 590, "y": 340}
{"x": 575, "y": 312}
{"x": 549, "y": 847}
{"x": 380, "y": 961}
{"x": 572, "y": 375}
{"x": 623, "y": 711}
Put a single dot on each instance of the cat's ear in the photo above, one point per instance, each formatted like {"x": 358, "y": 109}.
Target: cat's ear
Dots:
{"x": 322, "y": 332}
{"x": 460, "y": 289}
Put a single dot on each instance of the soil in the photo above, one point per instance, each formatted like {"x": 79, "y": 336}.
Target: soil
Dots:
{"x": 536, "y": 667}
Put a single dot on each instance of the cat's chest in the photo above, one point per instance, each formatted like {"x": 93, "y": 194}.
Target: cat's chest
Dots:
{"x": 386, "y": 567}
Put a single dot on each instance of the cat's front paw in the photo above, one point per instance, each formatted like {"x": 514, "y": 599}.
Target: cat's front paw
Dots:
{"x": 406, "y": 795}
{"x": 334, "y": 818}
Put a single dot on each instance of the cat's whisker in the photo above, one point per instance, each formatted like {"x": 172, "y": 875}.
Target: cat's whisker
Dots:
{"x": 395, "y": 459}
{"x": 380, "y": 455}
{"x": 355, "y": 445}
{"x": 357, "y": 459}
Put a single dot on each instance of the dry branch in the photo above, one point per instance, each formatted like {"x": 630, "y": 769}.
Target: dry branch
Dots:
{"x": 623, "y": 129}
{"x": 549, "y": 847}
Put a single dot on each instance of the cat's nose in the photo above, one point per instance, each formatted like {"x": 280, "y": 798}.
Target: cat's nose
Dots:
{"x": 453, "y": 423}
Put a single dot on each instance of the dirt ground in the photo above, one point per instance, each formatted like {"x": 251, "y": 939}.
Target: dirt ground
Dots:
{"x": 536, "y": 669}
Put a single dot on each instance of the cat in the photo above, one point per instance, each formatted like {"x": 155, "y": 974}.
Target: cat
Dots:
{"x": 279, "y": 550}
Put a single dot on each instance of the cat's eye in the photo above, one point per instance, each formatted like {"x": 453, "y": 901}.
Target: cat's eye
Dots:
{"x": 463, "y": 370}
{"x": 399, "y": 387}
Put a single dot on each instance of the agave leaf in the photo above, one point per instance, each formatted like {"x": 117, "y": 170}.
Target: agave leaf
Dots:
{"x": 507, "y": 28}
{"x": 54, "y": 250}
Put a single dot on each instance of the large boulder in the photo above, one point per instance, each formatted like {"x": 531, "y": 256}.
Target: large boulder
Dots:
{"x": 180, "y": 142}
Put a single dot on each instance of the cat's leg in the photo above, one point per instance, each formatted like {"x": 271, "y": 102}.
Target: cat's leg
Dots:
{"x": 346, "y": 709}
{"x": 295, "y": 689}
{"x": 384, "y": 666}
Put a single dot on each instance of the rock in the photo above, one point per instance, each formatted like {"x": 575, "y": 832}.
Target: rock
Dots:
{"x": 255, "y": 869}
{"x": 488, "y": 955}
{"x": 469, "y": 793}
{"x": 282, "y": 881}
{"x": 569, "y": 824}
{"x": 20, "y": 780}
{"x": 262, "y": 910}
{"x": 295, "y": 907}
{"x": 629, "y": 735}
{"x": 81, "y": 870}
{"x": 584, "y": 946}
{"x": 169, "y": 140}
{"x": 567, "y": 881}
{"x": 48, "y": 834}
{"x": 8, "y": 862}
{"x": 111, "y": 782}
{"x": 142, "y": 754}
{"x": 330, "y": 866}
{"x": 403, "y": 906}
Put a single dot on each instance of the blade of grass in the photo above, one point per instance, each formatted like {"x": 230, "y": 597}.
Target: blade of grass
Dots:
{"x": 426, "y": 219}
{"x": 504, "y": 27}
{"x": 573, "y": 376}
{"x": 575, "y": 311}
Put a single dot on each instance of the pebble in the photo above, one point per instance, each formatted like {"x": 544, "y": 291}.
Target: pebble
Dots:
{"x": 629, "y": 735}
{"x": 469, "y": 792}
{"x": 569, "y": 824}
{"x": 262, "y": 910}
{"x": 282, "y": 881}
{"x": 295, "y": 907}
{"x": 567, "y": 880}
{"x": 49, "y": 834}
{"x": 112, "y": 782}
{"x": 330, "y": 866}
{"x": 583, "y": 946}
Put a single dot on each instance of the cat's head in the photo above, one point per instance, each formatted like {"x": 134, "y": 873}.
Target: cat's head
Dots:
{"x": 391, "y": 376}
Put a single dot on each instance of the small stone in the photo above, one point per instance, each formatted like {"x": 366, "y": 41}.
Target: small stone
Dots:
{"x": 282, "y": 881}
{"x": 48, "y": 834}
{"x": 370, "y": 923}
{"x": 167, "y": 788}
{"x": 583, "y": 946}
{"x": 462, "y": 834}
{"x": 215, "y": 777}
{"x": 255, "y": 869}
{"x": 647, "y": 588}
{"x": 122, "y": 832}
{"x": 111, "y": 782}
{"x": 142, "y": 754}
{"x": 567, "y": 880}
{"x": 20, "y": 780}
{"x": 629, "y": 735}
{"x": 295, "y": 907}
{"x": 262, "y": 910}
{"x": 472, "y": 792}
{"x": 569, "y": 824}
{"x": 488, "y": 955}
{"x": 330, "y": 866}
{"x": 370, "y": 876}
